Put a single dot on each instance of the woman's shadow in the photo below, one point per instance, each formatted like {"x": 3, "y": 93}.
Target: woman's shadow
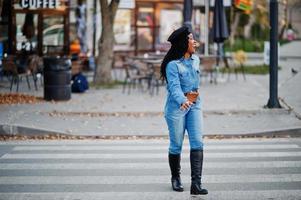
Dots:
{"x": 196, "y": 197}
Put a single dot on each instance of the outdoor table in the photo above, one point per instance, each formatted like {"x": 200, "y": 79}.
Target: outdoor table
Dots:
{"x": 154, "y": 67}
{"x": 143, "y": 58}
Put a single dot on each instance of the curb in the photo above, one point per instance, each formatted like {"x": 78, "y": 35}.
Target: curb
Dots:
{"x": 11, "y": 131}
{"x": 22, "y": 130}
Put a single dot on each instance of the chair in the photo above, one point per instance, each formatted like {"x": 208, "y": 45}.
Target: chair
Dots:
{"x": 240, "y": 57}
{"x": 118, "y": 66}
{"x": 207, "y": 64}
{"x": 156, "y": 80}
{"x": 135, "y": 72}
{"x": 35, "y": 66}
{"x": 11, "y": 69}
{"x": 236, "y": 62}
{"x": 227, "y": 67}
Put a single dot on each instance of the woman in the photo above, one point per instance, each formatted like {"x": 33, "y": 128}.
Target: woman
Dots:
{"x": 180, "y": 69}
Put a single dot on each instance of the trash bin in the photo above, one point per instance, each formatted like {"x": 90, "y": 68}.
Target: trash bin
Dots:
{"x": 57, "y": 78}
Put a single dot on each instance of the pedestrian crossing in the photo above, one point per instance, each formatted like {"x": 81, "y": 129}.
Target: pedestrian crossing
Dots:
{"x": 138, "y": 169}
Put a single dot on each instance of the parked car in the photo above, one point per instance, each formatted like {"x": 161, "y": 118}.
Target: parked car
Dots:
{"x": 54, "y": 35}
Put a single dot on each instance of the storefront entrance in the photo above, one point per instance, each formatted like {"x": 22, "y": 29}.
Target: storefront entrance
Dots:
{"x": 40, "y": 27}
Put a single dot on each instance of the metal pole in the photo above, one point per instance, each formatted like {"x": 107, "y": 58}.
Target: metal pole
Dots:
{"x": 94, "y": 26}
{"x": 206, "y": 27}
{"x": 273, "y": 101}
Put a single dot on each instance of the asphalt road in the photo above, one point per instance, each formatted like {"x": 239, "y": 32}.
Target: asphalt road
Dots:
{"x": 138, "y": 169}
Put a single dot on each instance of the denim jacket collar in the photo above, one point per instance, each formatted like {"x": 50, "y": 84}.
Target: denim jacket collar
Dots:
{"x": 182, "y": 59}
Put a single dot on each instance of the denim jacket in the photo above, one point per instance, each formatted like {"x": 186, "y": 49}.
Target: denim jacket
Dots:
{"x": 183, "y": 76}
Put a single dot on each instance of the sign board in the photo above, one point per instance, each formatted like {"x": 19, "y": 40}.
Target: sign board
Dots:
{"x": 245, "y": 5}
{"x": 37, "y": 4}
{"x": 266, "y": 53}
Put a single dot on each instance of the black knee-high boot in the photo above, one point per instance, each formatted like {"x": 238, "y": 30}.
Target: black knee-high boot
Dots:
{"x": 196, "y": 163}
{"x": 175, "y": 168}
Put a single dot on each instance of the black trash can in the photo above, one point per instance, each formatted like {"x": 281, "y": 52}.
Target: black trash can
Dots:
{"x": 57, "y": 78}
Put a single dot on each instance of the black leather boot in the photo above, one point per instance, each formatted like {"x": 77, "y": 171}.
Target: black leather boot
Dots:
{"x": 174, "y": 164}
{"x": 196, "y": 163}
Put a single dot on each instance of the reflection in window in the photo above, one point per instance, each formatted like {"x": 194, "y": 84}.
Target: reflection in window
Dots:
{"x": 53, "y": 34}
{"x": 145, "y": 39}
{"x": 170, "y": 20}
{"x": 26, "y": 32}
{"x": 122, "y": 27}
{"x": 145, "y": 16}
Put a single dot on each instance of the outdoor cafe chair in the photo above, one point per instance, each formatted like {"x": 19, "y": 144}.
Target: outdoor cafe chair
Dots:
{"x": 12, "y": 69}
{"x": 154, "y": 70}
{"x": 135, "y": 73}
{"x": 156, "y": 80}
{"x": 35, "y": 66}
{"x": 208, "y": 64}
{"x": 234, "y": 62}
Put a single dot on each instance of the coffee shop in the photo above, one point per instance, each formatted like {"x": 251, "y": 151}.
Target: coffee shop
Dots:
{"x": 38, "y": 26}
{"x": 31, "y": 30}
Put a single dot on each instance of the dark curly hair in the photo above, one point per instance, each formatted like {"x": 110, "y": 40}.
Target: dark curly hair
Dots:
{"x": 179, "y": 46}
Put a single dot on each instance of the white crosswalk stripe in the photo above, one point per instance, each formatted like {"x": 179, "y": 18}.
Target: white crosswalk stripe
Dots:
{"x": 27, "y": 170}
{"x": 90, "y": 166}
{"x": 144, "y": 179}
{"x": 146, "y": 155}
{"x": 138, "y": 147}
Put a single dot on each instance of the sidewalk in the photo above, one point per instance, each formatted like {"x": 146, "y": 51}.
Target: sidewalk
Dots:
{"x": 232, "y": 107}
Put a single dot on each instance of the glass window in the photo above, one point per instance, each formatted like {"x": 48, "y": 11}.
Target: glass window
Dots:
{"x": 122, "y": 27}
{"x": 145, "y": 26}
{"x": 170, "y": 20}
{"x": 145, "y": 16}
{"x": 53, "y": 34}
{"x": 145, "y": 39}
{"x": 26, "y": 32}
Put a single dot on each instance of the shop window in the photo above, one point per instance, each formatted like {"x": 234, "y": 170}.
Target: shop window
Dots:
{"x": 39, "y": 27}
{"x": 168, "y": 17}
{"x": 53, "y": 34}
{"x": 122, "y": 27}
{"x": 145, "y": 39}
{"x": 26, "y": 32}
{"x": 145, "y": 16}
{"x": 145, "y": 26}
{"x": 170, "y": 20}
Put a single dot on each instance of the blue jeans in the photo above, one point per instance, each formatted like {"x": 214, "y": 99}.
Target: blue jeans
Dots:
{"x": 178, "y": 121}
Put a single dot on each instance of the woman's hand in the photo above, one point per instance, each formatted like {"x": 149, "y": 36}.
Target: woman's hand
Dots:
{"x": 186, "y": 105}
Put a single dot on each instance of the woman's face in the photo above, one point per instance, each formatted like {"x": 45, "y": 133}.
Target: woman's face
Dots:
{"x": 191, "y": 44}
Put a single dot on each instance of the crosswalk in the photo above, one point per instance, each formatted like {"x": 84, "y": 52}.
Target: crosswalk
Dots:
{"x": 138, "y": 169}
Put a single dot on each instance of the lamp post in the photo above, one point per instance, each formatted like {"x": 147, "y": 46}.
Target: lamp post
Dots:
{"x": 273, "y": 100}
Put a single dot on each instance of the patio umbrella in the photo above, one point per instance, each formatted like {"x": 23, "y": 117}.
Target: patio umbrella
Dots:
{"x": 187, "y": 13}
{"x": 220, "y": 28}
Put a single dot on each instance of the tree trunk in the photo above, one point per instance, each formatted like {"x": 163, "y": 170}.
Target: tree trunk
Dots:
{"x": 252, "y": 19}
{"x": 248, "y": 27}
{"x": 106, "y": 42}
{"x": 105, "y": 56}
{"x": 234, "y": 27}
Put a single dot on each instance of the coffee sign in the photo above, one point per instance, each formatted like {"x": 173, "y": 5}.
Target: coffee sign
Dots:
{"x": 35, "y": 4}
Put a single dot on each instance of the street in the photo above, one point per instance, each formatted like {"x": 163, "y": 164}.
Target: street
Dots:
{"x": 257, "y": 168}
